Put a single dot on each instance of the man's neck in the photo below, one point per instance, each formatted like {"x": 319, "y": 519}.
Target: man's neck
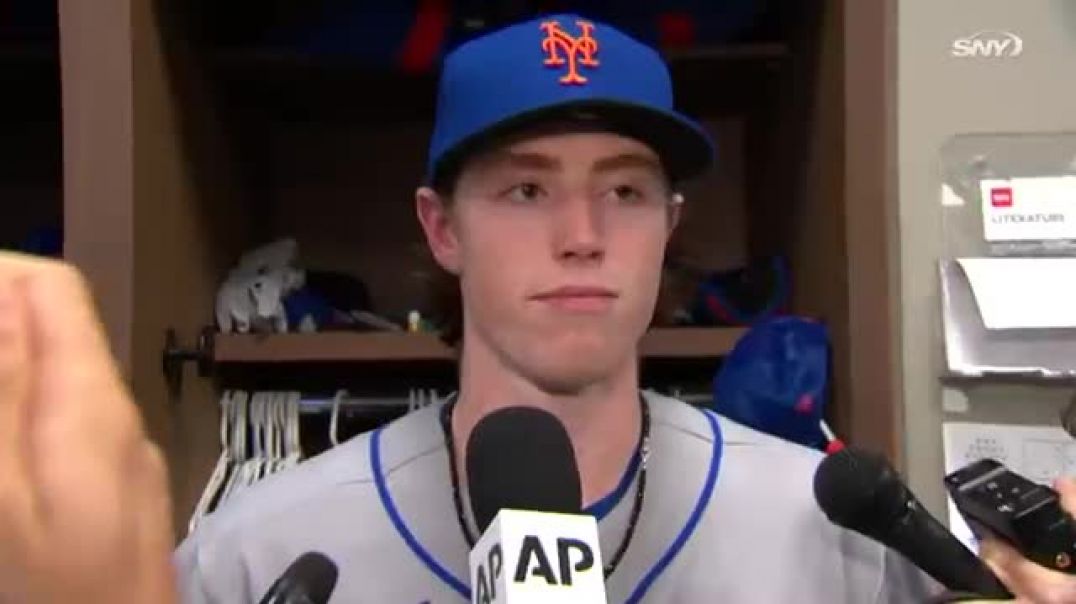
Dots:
{"x": 603, "y": 420}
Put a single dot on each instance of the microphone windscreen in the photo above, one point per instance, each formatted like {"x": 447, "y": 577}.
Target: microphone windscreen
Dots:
{"x": 310, "y": 578}
{"x": 860, "y": 491}
{"x": 521, "y": 458}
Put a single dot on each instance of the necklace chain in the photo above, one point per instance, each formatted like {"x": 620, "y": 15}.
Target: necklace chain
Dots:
{"x": 642, "y": 450}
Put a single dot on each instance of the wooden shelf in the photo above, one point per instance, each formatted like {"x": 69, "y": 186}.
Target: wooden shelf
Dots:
{"x": 666, "y": 343}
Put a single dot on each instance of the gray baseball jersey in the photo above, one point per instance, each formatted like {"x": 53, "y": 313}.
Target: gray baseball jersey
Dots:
{"x": 728, "y": 516}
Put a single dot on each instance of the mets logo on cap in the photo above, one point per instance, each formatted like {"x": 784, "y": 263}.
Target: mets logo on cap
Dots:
{"x": 562, "y": 48}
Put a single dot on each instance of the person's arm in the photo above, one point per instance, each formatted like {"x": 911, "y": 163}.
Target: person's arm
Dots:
{"x": 1031, "y": 582}
{"x": 84, "y": 506}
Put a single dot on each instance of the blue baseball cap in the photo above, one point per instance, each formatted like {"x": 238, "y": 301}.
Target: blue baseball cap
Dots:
{"x": 561, "y": 67}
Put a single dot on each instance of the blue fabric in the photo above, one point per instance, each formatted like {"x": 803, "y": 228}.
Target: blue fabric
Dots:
{"x": 303, "y": 303}
{"x": 497, "y": 79}
{"x": 44, "y": 241}
{"x": 775, "y": 380}
{"x": 743, "y": 296}
{"x": 371, "y": 32}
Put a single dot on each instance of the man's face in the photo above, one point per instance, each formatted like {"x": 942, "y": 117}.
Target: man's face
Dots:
{"x": 558, "y": 242}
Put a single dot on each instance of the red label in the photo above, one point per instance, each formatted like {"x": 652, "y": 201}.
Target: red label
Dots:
{"x": 1001, "y": 197}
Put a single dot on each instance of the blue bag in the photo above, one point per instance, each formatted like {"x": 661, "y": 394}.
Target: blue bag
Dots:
{"x": 775, "y": 380}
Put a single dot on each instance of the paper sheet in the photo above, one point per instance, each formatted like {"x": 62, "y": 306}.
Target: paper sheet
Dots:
{"x": 1023, "y": 293}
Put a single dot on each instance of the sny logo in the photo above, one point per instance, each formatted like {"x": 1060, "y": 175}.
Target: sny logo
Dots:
{"x": 579, "y": 50}
{"x": 988, "y": 45}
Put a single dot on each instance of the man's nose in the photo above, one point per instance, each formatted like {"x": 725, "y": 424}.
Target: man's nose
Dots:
{"x": 579, "y": 230}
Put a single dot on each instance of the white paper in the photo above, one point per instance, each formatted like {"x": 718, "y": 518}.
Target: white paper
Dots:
{"x": 1039, "y": 453}
{"x": 949, "y": 198}
{"x": 1026, "y": 293}
{"x": 954, "y": 400}
{"x": 1029, "y": 209}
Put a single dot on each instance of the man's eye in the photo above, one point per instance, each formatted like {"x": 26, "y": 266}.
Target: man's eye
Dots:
{"x": 525, "y": 192}
{"x": 626, "y": 194}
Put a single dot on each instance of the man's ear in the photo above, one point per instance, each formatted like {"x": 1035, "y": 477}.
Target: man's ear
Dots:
{"x": 676, "y": 207}
{"x": 435, "y": 216}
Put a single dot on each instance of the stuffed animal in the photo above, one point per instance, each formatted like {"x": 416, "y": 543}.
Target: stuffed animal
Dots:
{"x": 252, "y": 296}
{"x": 246, "y": 302}
{"x": 280, "y": 254}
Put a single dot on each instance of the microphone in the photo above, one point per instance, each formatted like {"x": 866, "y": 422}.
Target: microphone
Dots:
{"x": 536, "y": 545}
{"x": 860, "y": 491}
{"x": 310, "y": 579}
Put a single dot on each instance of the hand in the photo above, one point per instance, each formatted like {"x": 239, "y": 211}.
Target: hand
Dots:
{"x": 84, "y": 508}
{"x": 1030, "y": 582}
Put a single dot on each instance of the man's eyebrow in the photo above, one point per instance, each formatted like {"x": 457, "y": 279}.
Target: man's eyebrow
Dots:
{"x": 536, "y": 161}
{"x": 627, "y": 160}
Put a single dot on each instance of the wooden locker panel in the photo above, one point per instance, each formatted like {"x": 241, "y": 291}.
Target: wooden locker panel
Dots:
{"x": 843, "y": 233}
{"x": 150, "y": 213}
{"x": 872, "y": 222}
{"x": 817, "y": 234}
{"x": 189, "y": 226}
{"x": 98, "y": 166}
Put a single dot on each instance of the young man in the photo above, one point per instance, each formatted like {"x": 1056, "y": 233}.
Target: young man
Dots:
{"x": 552, "y": 175}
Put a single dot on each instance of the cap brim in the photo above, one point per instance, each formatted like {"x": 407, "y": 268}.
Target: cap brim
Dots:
{"x": 685, "y": 149}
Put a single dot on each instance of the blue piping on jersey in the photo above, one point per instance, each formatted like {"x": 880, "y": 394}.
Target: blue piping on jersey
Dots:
{"x": 648, "y": 579}
{"x": 390, "y": 507}
{"x": 693, "y": 520}
{"x": 601, "y": 508}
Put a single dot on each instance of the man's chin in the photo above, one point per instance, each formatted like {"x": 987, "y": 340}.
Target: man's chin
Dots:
{"x": 571, "y": 375}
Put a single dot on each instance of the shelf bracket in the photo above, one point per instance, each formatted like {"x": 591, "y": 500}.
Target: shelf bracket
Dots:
{"x": 174, "y": 356}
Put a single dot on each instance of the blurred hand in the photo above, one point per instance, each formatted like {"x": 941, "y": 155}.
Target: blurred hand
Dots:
{"x": 1030, "y": 582}
{"x": 84, "y": 508}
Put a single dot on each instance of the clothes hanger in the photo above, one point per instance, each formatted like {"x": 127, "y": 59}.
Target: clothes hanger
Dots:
{"x": 220, "y": 470}
{"x": 275, "y": 428}
{"x": 283, "y": 431}
{"x": 261, "y": 456}
{"x": 239, "y": 445}
{"x": 334, "y": 418}
{"x": 273, "y": 425}
{"x": 268, "y": 423}
{"x": 295, "y": 452}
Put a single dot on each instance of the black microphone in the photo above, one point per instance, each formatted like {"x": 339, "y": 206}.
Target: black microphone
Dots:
{"x": 860, "y": 491}
{"x": 521, "y": 458}
{"x": 310, "y": 579}
{"x": 536, "y": 545}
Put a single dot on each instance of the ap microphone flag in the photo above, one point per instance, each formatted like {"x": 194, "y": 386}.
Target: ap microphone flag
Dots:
{"x": 536, "y": 545}
{"x": 528, "y": 557}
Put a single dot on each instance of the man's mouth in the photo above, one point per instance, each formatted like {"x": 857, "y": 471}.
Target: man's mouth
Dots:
{"x": 578, "y": 298}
